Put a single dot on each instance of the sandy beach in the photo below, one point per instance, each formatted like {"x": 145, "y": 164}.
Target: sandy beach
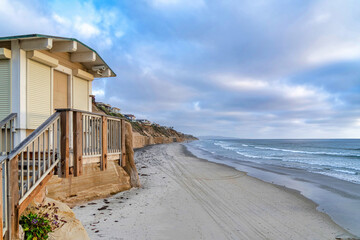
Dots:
{"x": 183, "y": 197}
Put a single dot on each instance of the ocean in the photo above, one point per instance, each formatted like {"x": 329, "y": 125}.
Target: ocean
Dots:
{"x": 327, "y": 171}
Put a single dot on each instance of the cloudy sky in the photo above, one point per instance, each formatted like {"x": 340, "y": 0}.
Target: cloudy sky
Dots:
{"x": 241, "y": 68}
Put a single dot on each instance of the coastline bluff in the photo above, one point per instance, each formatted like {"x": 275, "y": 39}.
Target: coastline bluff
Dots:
{"x": 148, "y": 134}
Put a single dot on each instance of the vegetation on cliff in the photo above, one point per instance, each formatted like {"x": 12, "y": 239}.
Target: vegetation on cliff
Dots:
{"x": 153, "y": 130}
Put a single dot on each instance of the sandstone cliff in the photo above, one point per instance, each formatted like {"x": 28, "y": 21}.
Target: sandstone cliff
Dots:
{"x": 144, "y": 135}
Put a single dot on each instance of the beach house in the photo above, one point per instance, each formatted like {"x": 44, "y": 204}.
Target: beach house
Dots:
{"x": 130, "y": 117}
{"x": 144, "y": 121}
{"x": 115, "y": 110}
{"x": 47, "y": 125}
{"x": 40, "y": 73}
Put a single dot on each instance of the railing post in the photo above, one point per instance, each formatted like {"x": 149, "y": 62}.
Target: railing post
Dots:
{"x": 13, "y": 196}
{"x": 1, "y": 204}
{"x": 64, "y": 144}
{"x": 77, "y": 140}
{"x": 104, "y": 143}
{"x": 123, "y": 149}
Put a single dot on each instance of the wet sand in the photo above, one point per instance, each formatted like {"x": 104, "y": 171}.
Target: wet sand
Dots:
{"x": 183, "y": 197}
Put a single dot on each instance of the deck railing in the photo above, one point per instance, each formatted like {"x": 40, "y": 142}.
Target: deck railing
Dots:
{"x": 96, "y": 138}
{"x": 91, "y": 138}
{"x": 114, "y": 135}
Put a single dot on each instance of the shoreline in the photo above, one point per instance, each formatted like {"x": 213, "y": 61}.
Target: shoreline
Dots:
{"x": 185, "y": 196}
{"x": 338, "y": 199}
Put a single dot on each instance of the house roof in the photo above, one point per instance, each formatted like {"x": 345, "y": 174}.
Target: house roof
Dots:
{"x": 81, "y": 47}
{"x": 129, "y": 115}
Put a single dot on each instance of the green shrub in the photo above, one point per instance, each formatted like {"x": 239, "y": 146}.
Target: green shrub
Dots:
{"x": 35, "y": 227}
{"x": 37, "y": 221}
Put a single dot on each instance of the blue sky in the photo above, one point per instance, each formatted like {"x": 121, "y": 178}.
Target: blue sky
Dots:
{"x": 241, "y": 68}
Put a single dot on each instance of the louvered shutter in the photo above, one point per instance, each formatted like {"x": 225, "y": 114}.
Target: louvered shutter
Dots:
{"x": 60, "y": 90}
{"x": 81, "y": 94}
{"x": 5, "y": 88}
{"x": 38, "y": 94}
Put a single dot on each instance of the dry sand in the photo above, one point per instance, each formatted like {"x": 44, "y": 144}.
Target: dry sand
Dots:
{"x": 183, "y": 197}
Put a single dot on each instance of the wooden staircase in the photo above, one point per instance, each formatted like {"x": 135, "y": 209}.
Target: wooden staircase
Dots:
{"x": 27, "y": 167}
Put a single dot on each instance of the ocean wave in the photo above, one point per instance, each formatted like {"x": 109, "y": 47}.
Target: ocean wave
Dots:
{"x": 345, "y": 177}
{"x": 225, "y": 146}
{"x": 307, "y": 152}
{"x": 257, "y": 157}
{"x": 351, "y": 172}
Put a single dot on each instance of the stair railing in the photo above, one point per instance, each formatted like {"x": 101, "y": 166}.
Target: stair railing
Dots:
{"x": 37, "y": 155}
{"x": 7, "y": 132}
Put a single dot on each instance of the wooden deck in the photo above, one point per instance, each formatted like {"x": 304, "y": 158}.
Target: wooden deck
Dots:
{"x": 61, "y": 145}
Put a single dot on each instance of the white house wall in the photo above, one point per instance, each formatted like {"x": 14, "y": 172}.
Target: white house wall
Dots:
{"x": 18, "y": 88}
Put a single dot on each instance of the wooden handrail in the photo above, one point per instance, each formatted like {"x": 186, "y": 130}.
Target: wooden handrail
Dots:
{"x": 10, "y": 117}
{"x": 86, "y": 112}
{"x": 33, "y": 135}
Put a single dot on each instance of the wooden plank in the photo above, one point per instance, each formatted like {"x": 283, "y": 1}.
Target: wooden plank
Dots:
{"x": 65, "y": 144}
{"x": 91, "y": 159}
{"x": 33, "y": 194}
{"x": 123, "y": 148}
{"x": 113, "y": 156}
{"x": 1, "y": 205}
{"x": 36, "y": 44}
{"x": 78, "y": 159}
{"x": 64, "y": 46}
{"x": 64, "y": 60}
{"x": 14, "y": 197}
{"x": 104, "y": 143}
{"x": 83, "y": 57}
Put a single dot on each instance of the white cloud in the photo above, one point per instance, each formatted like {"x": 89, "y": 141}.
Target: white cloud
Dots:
{"x": 328, "y": 52}
{"x": 98, "y": 92}
{"x": 297, "y": 97}
{"x": 85, "y": 29}
{"x": 196, "y": 106}
{"x": 321, "y": 18}
{"x": 17, "y": 17}
{"x": 177, "y": 3}
{"x": 240, "y": 83}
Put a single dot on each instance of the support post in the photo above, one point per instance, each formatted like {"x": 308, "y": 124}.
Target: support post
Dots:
{"x": 104, "y": 144}
{"x": 1, "y": 205}
{"x": 13, "y": 197}
{"x": 77, "y": 140}
{"x": 65, "y": 144}
{"x": 123, "y": 148}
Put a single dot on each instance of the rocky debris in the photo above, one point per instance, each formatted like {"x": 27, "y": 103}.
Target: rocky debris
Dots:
{"x": 103, "y": 207}
{"x": 72, "y": 229}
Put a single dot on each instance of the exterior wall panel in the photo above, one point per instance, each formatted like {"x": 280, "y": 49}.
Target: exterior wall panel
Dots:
{"x": 5, "y": 89}
{"x": 38, "y": 94}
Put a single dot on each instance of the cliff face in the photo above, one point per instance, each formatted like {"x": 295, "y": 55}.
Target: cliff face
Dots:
{"x": 144, "y": 135}
{"x": 153, "y": 134}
